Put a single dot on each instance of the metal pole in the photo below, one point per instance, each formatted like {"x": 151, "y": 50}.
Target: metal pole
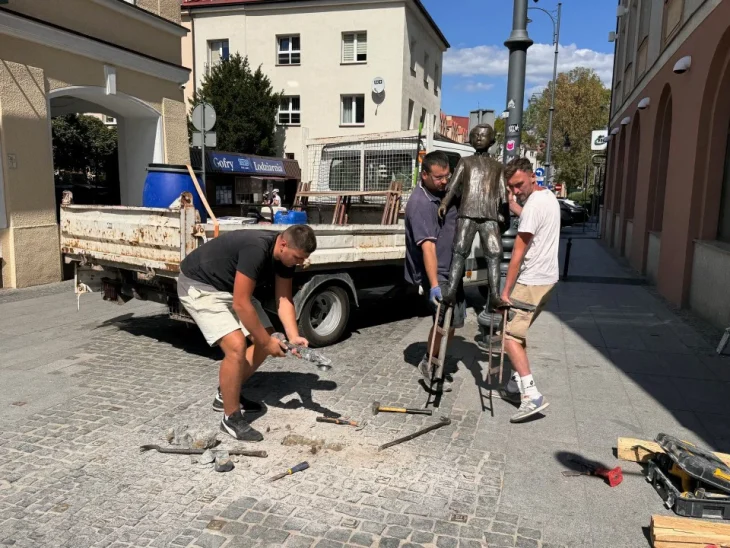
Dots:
{"x": 517, "y": 43}
{"x": 548, "y": 156}
{"x": 203, "y": 148}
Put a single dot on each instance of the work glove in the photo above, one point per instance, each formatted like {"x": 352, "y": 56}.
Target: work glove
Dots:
{"x": 435, "y": 295}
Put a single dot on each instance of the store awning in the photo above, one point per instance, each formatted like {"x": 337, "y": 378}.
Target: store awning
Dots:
{"x": 246, "y": 164}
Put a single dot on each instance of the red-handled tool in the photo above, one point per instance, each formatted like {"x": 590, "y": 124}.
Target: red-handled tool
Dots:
{"x": 298, "y": 468}
{"x": 613, "y": 476}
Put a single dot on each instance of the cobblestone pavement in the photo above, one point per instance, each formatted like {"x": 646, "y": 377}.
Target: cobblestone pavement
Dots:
{"x": 71, "y": 472}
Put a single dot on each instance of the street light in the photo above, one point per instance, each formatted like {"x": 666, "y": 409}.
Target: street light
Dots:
{"x": 555, "y": 18}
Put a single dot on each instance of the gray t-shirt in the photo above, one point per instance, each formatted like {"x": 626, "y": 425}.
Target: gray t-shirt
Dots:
{"x": 540, "y": 217}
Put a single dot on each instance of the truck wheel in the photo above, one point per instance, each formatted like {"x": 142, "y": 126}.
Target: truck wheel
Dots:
{"x": 325, "y": 315}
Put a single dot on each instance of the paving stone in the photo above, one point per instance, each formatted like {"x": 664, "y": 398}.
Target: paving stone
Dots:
{"x": 398, "y": 531}
{"x": 504, "y": 528}
{"x": 507, "y": 518}
{"x": 499, "y": 540}
{"x": 447, "y": 542}
{"x": 298, "y": 541}
{"x": 295, "y": 524}
{"x": 397, "y": 519}
{"x": 209, "y": 541}
{"x": 234, "y": 528}
{"x": 373, "y": 527}
{"x": 446, "y": 528}
{"x": 523, "y": 542}
{"x": 529, "y": 533}
{"x": 361, "y": 539}
{"x": 422, "y": 537}
{"x": 328, "y": 544}
{"x": 389, "y": 542}
{"x": 315, "y": 529}
{"x": 339, "y": 533}
{"x": 274, "y": 536}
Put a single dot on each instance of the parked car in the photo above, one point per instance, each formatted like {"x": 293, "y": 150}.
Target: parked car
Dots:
{"x": 577, "y": 212}
{"x": 566, "y": 215}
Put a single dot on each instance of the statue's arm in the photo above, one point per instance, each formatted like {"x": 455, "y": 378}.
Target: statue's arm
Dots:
{"x": 502, "y": 186}
{"x": 455, "y": 185}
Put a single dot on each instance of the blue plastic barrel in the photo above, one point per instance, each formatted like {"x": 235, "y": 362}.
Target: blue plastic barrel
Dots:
{"x": 165, "y": 183}
{"x": 290, "y": 218}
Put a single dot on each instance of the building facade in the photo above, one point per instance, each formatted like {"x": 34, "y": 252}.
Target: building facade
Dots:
{"x": 119, "y": 58}
{"x": 667, "y": 199}
{"x": 325, "y": 56}
{"x": 455, "y": 128}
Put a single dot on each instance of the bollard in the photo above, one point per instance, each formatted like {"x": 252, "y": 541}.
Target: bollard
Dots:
{"x": 566, "y": 263}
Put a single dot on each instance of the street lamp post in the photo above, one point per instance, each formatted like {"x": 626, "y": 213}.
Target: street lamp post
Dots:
{"x": 517, "y": 43}
{"x": 556, "y": 38}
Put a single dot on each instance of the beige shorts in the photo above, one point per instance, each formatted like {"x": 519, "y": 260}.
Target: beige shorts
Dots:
{"x": 213, "y": 311}
{"x": 519, "y": 321}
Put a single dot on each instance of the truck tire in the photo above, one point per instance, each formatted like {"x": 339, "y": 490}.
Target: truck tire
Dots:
{"x": 325, "y": 316}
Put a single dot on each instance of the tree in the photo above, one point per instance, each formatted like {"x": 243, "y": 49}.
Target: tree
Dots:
{"x": 581, "y": 105}
{"x": 83, "y": 144}
{"x": 245, "y": 104}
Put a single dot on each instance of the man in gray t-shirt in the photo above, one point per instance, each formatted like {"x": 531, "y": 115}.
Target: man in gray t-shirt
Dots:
{"x": 429, "y": 245}
{"x": 532, "y": 273}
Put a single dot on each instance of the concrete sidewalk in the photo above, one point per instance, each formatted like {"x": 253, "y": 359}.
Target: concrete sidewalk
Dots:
{"x": 85, "y": 390}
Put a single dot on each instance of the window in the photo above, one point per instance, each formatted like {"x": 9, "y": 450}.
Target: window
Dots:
{"x": 289, "y": 155}
{"x": 425, "y": 70}
{"x": 436, "y": 79}
{"x": 630, "y": 38}
{"x": 672, "y": 18}
{"x": 354, "y": 47}
{"x": 290, "y": 111}
{"x": 423, "y": 117}
{"x": 644, "y": 19}
{"x": 224, "y": 195}
{"x": 353, "y": 110}
{"x": 109, "y": 120}
{"x": 217, "y": 52}
{"x": 628, "y": 82}
{"x": 288, "y": 52}
{"x": 411, "y": 107}
{"x": 413, "y": 57}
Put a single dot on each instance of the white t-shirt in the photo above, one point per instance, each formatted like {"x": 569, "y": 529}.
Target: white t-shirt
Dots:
{"x": 540, "y": 217}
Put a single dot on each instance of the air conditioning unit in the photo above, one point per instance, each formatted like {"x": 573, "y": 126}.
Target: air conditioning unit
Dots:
{"x": 621, "y": 11}
{"x": 612, "y": 36}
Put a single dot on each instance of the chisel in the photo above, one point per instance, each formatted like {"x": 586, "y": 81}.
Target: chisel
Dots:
{"x": 337, "y": 421}
{"x": 298, "y": 468}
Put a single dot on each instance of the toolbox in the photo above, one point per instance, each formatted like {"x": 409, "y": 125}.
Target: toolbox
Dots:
{"x": 691, "y": 481}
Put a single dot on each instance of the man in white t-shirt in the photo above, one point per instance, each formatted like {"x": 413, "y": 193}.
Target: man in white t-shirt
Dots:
{"x": 532, "y": 274}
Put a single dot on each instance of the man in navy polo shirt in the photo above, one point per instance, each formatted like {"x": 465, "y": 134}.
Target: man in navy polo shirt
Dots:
{"x": 429, "y": 245}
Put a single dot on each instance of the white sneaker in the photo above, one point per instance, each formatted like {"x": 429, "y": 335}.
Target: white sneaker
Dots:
{"x": 529, "y": 407}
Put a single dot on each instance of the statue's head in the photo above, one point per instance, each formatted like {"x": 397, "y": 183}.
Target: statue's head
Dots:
{"x": 481, "y": 137}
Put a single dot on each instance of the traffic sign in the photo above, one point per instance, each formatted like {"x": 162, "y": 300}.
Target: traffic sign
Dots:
{"x": 204, "y": 117}
{"x": 540, "y": 176}
{"x": 211, "y": 139}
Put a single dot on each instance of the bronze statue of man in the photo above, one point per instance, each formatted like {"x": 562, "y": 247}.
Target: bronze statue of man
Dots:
{"x": 478, "y": 182}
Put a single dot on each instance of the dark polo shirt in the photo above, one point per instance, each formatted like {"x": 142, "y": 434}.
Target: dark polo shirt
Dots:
{"x": 423, "y": 224}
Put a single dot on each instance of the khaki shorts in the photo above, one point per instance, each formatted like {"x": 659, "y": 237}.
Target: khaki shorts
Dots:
{"x": 213, "y": 311}
{"x": 519, "y": 321}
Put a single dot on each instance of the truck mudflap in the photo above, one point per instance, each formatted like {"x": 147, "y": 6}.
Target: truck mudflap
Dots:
{"x": 341, "y": 279}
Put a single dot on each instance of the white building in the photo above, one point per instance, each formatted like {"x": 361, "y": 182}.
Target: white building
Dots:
{"x": 325, "y": 55}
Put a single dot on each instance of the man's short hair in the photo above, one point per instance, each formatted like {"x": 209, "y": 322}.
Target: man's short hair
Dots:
{"x": 515, "y": 165}
{"x": 435, "y": 158}
{"x": 301, "y": 237}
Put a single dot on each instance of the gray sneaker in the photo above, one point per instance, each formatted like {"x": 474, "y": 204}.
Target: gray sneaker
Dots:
{"x": 529, "y": 407}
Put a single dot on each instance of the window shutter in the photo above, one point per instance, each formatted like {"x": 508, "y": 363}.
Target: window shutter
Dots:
{"x": 362, "y": 46}
{"x": 348, "y": 48}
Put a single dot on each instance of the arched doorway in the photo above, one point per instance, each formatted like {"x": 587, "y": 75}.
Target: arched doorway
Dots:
{"x": 658, "y": 184}
{"x": 139, "y": 129}
{"x": 629, "y": 195}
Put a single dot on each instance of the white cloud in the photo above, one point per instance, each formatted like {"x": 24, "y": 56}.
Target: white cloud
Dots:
{"x": 474, "y": 87}
{"x": 493, "y": 61}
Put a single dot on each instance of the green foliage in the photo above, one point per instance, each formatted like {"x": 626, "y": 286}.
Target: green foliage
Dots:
{"x": 581, "y": 105}
{"x": 83, "y": 144}
{"x": 245, "y": 104}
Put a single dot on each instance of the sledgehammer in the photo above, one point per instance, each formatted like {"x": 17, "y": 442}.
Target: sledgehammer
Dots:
{"x": 377, "y": 408}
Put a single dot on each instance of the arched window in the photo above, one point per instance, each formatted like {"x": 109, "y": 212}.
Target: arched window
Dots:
{"x": 723, "y": 226}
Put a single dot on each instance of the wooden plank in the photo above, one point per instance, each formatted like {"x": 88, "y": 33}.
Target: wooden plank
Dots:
{"x": 683, "y": 531}
{"x": 660, "y": 544}
{"x": 636, "y": 450}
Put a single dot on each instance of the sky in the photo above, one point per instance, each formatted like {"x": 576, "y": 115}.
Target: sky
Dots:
{"x": 475, "y": 66}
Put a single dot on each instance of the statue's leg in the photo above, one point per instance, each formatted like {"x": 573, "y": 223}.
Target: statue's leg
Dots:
{"x": 465, "y": 232}
{"x": 491, "y": 239}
